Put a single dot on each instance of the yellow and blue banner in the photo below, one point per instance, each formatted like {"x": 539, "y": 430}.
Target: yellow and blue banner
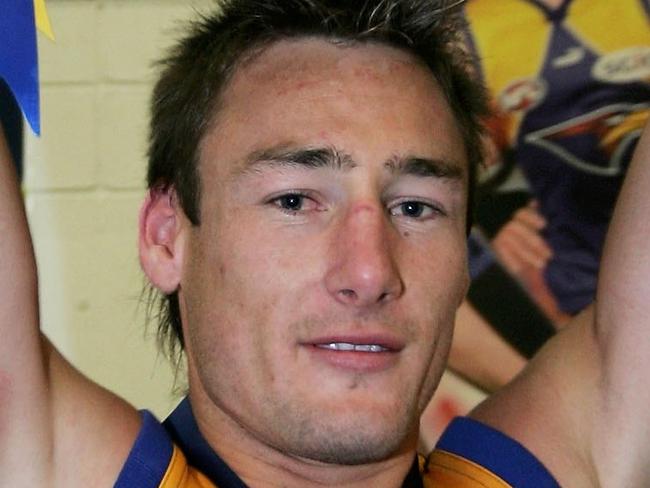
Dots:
{"x": 19, "y": 20}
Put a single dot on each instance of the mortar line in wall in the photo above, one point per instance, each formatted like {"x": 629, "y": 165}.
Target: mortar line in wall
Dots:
{"x": 94, "y": 190}
{"x": 95, "y": 83}
{"x": 133, "y": 83}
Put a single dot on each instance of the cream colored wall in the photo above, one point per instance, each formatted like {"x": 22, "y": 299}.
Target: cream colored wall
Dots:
{"x": 84, "y": 183}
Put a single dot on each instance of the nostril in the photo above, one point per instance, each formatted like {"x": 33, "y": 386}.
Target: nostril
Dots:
{"x": 347, "y": 293}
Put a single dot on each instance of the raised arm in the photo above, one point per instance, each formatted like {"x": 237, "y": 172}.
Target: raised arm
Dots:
{"x": 622, "y": 324}
{"x": 24, "y": 431}
{"x": 55, "y": 425}
{"x": 581, "y": 406}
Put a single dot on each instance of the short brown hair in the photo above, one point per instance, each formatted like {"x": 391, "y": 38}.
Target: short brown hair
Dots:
{"x": 197, "y": 69}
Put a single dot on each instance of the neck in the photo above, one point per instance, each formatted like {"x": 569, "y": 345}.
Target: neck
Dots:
{"x": 260, "y": 465}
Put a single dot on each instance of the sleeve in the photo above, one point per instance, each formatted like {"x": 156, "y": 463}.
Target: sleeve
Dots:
{"x": 471, "y": 454}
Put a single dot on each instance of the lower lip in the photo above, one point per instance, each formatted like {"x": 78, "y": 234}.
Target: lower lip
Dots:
{"x": 355, "y": 361}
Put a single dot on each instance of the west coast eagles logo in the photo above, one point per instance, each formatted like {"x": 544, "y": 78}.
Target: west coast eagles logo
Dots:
{"x": 611, "y": 131}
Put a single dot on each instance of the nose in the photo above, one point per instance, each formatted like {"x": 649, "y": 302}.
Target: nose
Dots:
{"x": 363, "y": 271}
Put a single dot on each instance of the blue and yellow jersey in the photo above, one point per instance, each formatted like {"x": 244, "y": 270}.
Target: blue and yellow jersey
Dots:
{"x": 469, "y": 455}
{"x": 155, "y": 462}
{"x": 570, "y": 89}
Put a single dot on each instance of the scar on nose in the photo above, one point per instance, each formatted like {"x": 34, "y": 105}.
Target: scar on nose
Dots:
{"x": 363, "y": 207}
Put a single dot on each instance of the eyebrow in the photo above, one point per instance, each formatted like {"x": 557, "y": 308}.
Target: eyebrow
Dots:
{"x": 425, "y": 167}
{"x": 319, "y": 157}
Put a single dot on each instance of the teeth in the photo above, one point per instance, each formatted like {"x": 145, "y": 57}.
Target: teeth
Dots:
{"x": 369, "y": 348}
{"x": 346, "y": 346}
{"x": 340, "y": 346}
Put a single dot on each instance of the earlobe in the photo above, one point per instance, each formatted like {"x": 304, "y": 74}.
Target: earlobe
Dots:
{"x": 160, "y": 240}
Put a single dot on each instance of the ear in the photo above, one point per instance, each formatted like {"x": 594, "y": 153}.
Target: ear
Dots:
{"x": 160, "y": 240}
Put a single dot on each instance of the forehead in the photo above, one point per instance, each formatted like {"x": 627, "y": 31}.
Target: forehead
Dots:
{"x": 302, "y": 63}
{"x": 368, "y": 100}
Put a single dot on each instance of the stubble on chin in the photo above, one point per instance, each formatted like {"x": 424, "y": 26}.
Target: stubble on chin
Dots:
{"x": 350, "y": 440}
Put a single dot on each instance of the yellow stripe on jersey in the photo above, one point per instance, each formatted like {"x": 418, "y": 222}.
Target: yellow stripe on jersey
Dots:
{"x": 626, "y": 20}
{"x": 180, "y": 475}
{"x": 448, "y": 470}
{"x": 442, "y": 470}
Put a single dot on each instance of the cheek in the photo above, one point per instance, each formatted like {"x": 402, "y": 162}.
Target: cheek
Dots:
{"x": 251, "y": 280}
{"x": 439, "y": 270}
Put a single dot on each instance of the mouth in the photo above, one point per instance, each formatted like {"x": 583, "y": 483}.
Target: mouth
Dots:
{"x": 359, "y": 354}
{"x": 348, "y": 346}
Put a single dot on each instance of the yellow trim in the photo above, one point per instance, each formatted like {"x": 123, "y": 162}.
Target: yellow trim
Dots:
{"x": 442, "y": 470}
{"x": 42, "y": 19}
{"x": 633, "y": 122}
{"x": 180, "y": 475}
{"x": 447, "y": 470}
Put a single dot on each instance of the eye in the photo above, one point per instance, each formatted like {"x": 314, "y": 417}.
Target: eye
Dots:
{"x": 294, "y": 202}
{"x": 414, "y": 209}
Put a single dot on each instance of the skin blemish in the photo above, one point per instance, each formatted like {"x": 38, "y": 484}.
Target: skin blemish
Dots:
{"x": 363, "y": 207}
{"x": 406, "y": 233}
{"x": 367, "y": 74}
{"x": 354, "y": 384}
{"x": 287, "y": 87}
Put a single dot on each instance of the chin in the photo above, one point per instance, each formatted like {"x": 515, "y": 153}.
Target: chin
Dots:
{"x": 354, "y": 448}
{"x": 352, "y": 440}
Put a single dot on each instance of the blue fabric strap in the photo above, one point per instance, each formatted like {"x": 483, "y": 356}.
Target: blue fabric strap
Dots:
{"x": 149, "y": 458}
{"x": 495, "y": 451}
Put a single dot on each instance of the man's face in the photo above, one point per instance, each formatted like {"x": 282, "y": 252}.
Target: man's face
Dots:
{"x": 318, "y": 293}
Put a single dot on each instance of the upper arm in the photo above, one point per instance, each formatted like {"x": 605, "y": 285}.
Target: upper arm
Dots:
{"x": 54, "y": 423}
{"x": 622, "y": 329}
{"x": 549, "y": 407}
{"x": 582, "y": 404}
{"x": 23, "y": 380}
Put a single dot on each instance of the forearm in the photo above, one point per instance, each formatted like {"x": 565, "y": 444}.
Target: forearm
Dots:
{"x": 479, "y": 354}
